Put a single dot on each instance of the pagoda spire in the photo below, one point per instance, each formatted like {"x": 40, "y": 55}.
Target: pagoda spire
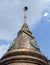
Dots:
{"x": 25, "y": 12}
{"x": 24, "y": 40}
{"x": 25, "y": 27}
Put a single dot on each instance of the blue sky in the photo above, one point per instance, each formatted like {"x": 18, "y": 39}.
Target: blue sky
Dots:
{"x": 38, "y": 20}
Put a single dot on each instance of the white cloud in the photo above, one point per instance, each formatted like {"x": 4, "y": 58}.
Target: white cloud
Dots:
{"x": 3, "y": 49}
{"x": 11, "y": 15}
{"x": 46, "y": 14}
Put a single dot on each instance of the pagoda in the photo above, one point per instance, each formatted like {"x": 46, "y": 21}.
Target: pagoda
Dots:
{"x": 24, "y": 49}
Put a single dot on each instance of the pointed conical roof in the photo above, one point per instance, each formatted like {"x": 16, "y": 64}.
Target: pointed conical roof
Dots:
{"x": 24, "y": 40}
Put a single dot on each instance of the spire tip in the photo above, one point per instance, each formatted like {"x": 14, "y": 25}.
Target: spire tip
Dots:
{"x": 25, "y": 8}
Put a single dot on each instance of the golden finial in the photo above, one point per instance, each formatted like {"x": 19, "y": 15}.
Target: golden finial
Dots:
{"x": 25, "y": 11}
